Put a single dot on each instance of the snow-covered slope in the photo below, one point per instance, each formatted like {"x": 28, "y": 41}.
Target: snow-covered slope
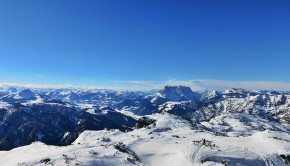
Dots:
{"x": 171, "y": 141}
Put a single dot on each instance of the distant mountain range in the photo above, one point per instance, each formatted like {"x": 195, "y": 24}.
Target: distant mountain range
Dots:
{"x": 59, "y": 116}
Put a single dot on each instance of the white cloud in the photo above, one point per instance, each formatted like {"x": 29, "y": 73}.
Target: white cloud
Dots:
{"x": 131, "y": 87}
{"x": 140, "y": 84}
{"x": 225, "y": 84}
{"x": 202, "y": 84}
{"x": 40, "y": 76}
{"x": 199, "y": 84}
{"x": 45, "y": 86}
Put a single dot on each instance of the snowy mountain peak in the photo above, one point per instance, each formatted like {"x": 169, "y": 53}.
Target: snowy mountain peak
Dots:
{"x": 12, "y": 89}
{"x": 235, "y": 90}
{"x": 235, "y": 93}
{"x": 26, "y": 94}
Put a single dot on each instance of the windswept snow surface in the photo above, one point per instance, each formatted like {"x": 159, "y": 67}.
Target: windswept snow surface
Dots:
{"x": 172, "y": 141}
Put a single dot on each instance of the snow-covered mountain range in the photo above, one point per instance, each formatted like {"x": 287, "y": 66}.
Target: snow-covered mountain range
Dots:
{"x": 174, "y": 126}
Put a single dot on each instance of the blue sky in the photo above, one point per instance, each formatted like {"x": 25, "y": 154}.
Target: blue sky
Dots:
{"x": 145, "y": 43}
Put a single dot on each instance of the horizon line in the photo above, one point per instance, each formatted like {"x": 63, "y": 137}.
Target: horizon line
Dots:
{"x": 141, "y": 85}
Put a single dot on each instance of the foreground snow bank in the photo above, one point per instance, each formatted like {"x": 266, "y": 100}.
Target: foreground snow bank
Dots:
{"x": 171, "y": 141}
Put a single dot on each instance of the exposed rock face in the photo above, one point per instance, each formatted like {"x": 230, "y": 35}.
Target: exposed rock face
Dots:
{"x": 178, "y": 93}
{"x": 144, "y": 122}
